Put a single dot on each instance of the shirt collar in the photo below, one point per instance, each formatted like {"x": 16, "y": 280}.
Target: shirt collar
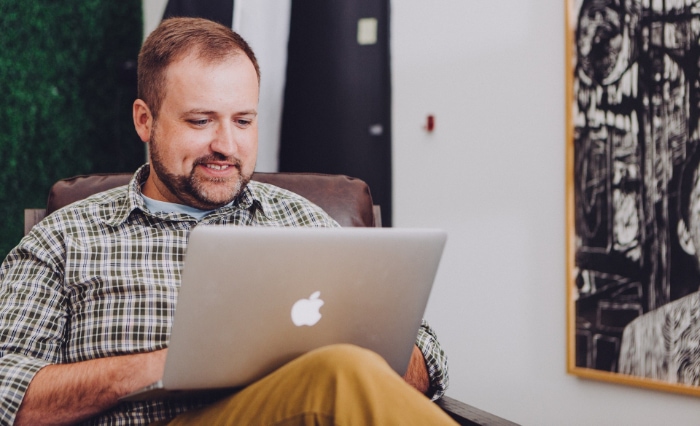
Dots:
{"x": 250, "y": 198}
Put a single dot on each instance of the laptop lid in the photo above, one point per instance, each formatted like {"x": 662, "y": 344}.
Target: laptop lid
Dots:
{"x": 253, "y": 299}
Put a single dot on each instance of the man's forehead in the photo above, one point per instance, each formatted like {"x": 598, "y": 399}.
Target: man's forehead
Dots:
{"x": 192, "y": 67}
{"x": 188, "y": 83}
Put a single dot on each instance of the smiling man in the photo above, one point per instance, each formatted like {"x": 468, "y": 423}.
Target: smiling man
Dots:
{"x": 88, "y": 296}
{"x": 203, "y": 143}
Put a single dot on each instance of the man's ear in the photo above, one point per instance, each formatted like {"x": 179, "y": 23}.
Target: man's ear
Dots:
{"x": 143, "y": 120}
{"x": 684, "y": 238}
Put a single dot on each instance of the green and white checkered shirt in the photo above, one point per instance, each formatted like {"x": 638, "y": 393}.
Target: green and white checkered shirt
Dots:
{"x": 100, "y": 278}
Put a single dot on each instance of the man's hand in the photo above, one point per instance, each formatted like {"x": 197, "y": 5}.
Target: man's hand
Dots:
{"x": 68, "y": 393}
{"x": 417, "y": 372}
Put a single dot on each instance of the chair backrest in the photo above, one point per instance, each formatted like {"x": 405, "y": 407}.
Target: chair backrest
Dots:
{"x": 347, "y": 200}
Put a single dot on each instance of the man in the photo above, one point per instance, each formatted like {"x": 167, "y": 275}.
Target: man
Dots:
{"x": 87, "y": 298}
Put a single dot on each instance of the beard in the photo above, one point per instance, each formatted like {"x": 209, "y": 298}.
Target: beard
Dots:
{"x": 197, "y": 191}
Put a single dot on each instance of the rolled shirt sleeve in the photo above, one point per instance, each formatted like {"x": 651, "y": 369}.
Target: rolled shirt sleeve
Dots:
{"x": 31, "y": 321}
{"x": 16, "y": 372}
{"x": 435, "y": 360}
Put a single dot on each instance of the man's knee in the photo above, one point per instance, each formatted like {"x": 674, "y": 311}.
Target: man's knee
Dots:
{"x": 344, "y": 357}
{"x": 342, "y": 363}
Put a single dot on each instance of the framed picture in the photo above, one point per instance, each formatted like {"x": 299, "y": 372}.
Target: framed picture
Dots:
{"x": 633, "y": 192}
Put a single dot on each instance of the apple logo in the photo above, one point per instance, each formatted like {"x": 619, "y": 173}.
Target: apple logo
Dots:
{"x": 305, "y": 311}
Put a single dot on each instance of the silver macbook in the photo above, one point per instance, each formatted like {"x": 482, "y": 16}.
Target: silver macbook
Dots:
{"x": 252, "y": 299}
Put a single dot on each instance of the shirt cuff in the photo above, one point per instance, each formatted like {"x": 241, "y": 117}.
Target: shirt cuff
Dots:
{"x": 435, "y": 361}
{"x": 16, "y": 372}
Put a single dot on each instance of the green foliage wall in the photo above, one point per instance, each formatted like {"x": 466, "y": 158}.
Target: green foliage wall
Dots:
{"x": 65, "y": 98}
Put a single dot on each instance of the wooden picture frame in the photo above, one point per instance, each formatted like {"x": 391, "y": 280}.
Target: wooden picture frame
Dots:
{"x": 633, "y": 192}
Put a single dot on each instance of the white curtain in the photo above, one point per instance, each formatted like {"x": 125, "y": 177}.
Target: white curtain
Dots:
{"x": 265, "y": 25}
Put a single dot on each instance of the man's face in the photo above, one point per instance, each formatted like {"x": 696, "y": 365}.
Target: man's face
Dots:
{"x": 203, "y": 145}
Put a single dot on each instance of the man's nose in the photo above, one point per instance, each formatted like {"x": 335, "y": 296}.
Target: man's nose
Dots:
{"x": 225, "y": 139}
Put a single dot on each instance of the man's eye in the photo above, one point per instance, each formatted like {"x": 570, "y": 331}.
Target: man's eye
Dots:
{"x": 201, "y": 122}
{"x": 243, "y": 123}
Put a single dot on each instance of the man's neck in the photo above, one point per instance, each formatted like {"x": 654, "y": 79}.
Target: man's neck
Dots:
{"x": 155, "y": 206}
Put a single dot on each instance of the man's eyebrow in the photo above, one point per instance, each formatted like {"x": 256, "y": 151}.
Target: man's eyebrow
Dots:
{"x": 197, "y": 112}
{"x": 248, "y": 112}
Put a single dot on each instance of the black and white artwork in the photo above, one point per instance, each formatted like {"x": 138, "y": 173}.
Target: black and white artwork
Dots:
{"x": 634, "y": 192}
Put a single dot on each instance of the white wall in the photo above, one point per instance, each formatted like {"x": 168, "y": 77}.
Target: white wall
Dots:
{"x": 492, "y": 174}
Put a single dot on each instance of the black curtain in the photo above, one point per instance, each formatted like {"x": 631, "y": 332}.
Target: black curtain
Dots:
{"x": 337, "y": 102}
{"x": 220, "y": 11}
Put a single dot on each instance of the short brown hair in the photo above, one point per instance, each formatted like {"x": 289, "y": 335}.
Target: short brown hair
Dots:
{"x": 175, "y": 38}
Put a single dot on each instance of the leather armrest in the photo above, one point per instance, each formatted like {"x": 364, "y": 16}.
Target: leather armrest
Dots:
{"x": 471, "y": 416}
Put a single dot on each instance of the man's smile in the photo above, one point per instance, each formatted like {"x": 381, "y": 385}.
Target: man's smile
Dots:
{"x": 217, "y": 166}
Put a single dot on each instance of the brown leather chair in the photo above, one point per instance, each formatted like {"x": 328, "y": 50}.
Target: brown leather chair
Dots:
{"x": 345, "y": 199}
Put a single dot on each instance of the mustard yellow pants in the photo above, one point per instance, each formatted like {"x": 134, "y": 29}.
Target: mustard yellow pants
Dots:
{"x": 340, "y": 385}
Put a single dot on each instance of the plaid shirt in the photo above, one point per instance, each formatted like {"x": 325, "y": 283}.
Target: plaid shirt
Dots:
{"x": 100, "y": 278}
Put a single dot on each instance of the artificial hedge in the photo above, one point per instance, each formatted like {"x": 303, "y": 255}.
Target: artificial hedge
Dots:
{"x": 67, "y": 83}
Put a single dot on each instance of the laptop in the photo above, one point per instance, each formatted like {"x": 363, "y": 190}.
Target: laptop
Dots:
{"x": 253, "y": 299}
